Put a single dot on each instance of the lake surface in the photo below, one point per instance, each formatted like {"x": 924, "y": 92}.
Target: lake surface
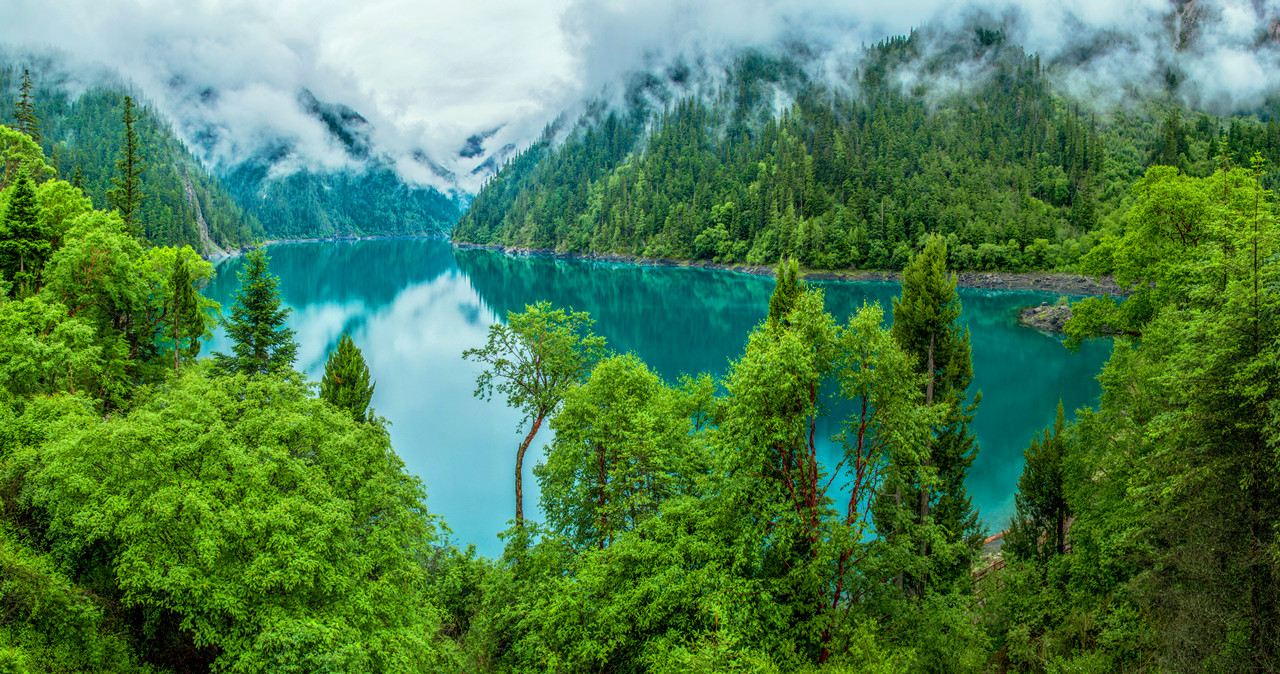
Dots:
{"x": 414, "y": 305}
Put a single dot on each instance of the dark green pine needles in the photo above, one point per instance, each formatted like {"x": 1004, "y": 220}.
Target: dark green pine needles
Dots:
{"x": 262, "y": 343}
{"x": 346, "y": 382}
{"x": 24, "y": 241}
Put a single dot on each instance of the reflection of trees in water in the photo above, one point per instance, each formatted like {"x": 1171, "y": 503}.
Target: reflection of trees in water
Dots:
{"x": 372, "y": 271}
{"x": 676, "y": 319}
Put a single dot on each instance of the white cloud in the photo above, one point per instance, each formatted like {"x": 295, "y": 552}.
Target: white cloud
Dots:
{"x": 427, "y": 75}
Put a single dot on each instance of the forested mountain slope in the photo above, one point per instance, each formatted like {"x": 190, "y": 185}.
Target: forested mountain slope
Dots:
{"x": 1012, "y": 173}
{"x": 230, "y": 205}
{"x": 82, "y": 136}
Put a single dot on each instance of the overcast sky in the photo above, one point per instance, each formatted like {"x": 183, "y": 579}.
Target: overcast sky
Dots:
{"x": 428, "y": 74}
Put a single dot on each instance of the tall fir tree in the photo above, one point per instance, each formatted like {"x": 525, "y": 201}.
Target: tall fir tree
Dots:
{"x": 256, "y": 326}
{"x": 185, "y": 321}
{"x": 346, "y": 383}
{"x": 24, "y": 242}
{"x": 1039, "y": 527}
{"x": 24, "y": 110}
{"x": 925, "y": 325}
{"x": 127, "y": 196}
{"x": 787, "y": 289}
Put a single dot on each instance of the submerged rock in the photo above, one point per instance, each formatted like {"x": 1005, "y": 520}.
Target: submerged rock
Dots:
{"x": 1050, "y": 317}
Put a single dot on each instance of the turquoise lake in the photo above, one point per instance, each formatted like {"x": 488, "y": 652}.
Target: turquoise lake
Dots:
{"x": 414, "y": 305}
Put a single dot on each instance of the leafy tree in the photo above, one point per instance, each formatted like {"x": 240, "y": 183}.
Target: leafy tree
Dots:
{"x": 261, "y": 342}
{"x": 24, "y": 111}
{"x": 128, "y": 194}
{"x": 1042, "y": 508}
{"x": 346, "y": 384}
{"x": 24, "y": 243}
{"x": 622, "y": 447}
{"x": 535, "y": 359}
{"x": 21, "y": 156}
{"x": 263, "y": 527}
{"x": 925, "y": 326}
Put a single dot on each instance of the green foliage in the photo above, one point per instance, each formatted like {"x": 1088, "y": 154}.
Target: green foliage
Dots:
{"x": 925, "y": 326}
{"x": 274, "y": 527}
{"x": 346, "y": 384}
{"x": 127, "y": 195}
{"x": 261, "y": 341}
{"x": 534, "y": 360}
{"x": 1039, "y": 526}
{"x": 622, "y": 447}
{"x": 24, "y": 240}
{"x": 24, "y": 111}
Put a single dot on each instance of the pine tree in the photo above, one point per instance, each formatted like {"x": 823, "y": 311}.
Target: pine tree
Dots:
{"x": 24, "y": 111}
{"x": 256, "y": 326}
{"x": 1042, "y": 508}
{"x": 925, "y": 326}
{"x": 25, "y": 245}
{"x": 346, "y": 383}
{"x": 786, "y": 291}
{"x": 78, "y": 180}
{"x": 127, "y": 196}
{"x": 185, "y": 321}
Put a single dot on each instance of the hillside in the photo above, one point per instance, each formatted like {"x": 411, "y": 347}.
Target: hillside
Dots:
{"x": 1013, "y": 173}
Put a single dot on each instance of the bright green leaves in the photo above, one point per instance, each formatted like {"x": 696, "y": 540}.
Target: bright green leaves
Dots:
{"x": 250, "y": 509}
{"x": 21, "y": 155}
{"x": 346, "y": 384}
{"x": 624, "y": 444}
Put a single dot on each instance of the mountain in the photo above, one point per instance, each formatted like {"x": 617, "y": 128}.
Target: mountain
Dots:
{"x": 216, "y": 206}
{"x": 960, "y": 132}
{"x": 364, "y": 197}
{"x": 82, "y": 134}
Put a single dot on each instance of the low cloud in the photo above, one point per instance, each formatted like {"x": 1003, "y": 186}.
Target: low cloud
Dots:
{"x": 431, "y": 78}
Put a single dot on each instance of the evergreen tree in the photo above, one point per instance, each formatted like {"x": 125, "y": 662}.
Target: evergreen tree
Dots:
{"x": 127, "y": 195}
{"x": 787, "y": 289}
{"x": 78, "y": 180}
{"x": 925, "y": 326}
{"x": 346, "y": 382}
{"x": 1042, "y": 508}
{"x": 185, "y": 320}
{"x": 262, "y": 343}
{"x": 25, "y": 245}
{"x": 24, "y": 111}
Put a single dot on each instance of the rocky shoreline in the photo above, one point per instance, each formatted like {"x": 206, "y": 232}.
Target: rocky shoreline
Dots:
{"x": 1047, "y": 317}
{"x": 1047, "y": 281}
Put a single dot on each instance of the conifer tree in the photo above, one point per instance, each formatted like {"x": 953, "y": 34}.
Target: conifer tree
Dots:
{"x": 185, "y": 321}
{"x": 127, "y": 196}
{"x": 925, "y": 326}
{"x": 24, "y": 111}
{"x": 786, "y": 291}
{"x": 25, "y": 245}
{"x": 1042, "y": 508}
{"x": 346, "y": 383}
{"x": 256, "y": 325}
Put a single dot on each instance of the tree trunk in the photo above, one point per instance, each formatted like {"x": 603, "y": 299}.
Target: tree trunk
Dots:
{"x": 928, "y": 460}
{"x": 528, "y": 439}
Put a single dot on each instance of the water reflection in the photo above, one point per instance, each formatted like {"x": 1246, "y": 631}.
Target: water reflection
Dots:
{"x": 414, "y": 305}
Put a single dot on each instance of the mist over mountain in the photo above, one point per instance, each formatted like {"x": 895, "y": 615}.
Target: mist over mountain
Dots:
{"x": 444, "y": 94}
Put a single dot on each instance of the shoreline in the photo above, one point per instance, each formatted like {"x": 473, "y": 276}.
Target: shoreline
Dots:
{"x": 236, "y": 252}
{"x": 1042, "y": 281}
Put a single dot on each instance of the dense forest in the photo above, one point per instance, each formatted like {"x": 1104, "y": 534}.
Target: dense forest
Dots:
{"x": 362, "y": 201}
{"x": 83, "y": 136}
{"x": 167, "y": 512}
{"x": 1013, "y": 174}
{"x": 185, "y": 204}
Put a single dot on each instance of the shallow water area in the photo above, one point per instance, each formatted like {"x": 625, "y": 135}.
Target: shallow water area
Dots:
{"x": 414, "y": 305}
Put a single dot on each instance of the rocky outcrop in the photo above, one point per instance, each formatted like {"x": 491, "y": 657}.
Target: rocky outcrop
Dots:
{"x": 1048, "y": 317}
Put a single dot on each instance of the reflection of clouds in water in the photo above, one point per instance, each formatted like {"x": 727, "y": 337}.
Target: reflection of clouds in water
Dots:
{"x": 317, "y": 329}
{"x": 463, "y": 448}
